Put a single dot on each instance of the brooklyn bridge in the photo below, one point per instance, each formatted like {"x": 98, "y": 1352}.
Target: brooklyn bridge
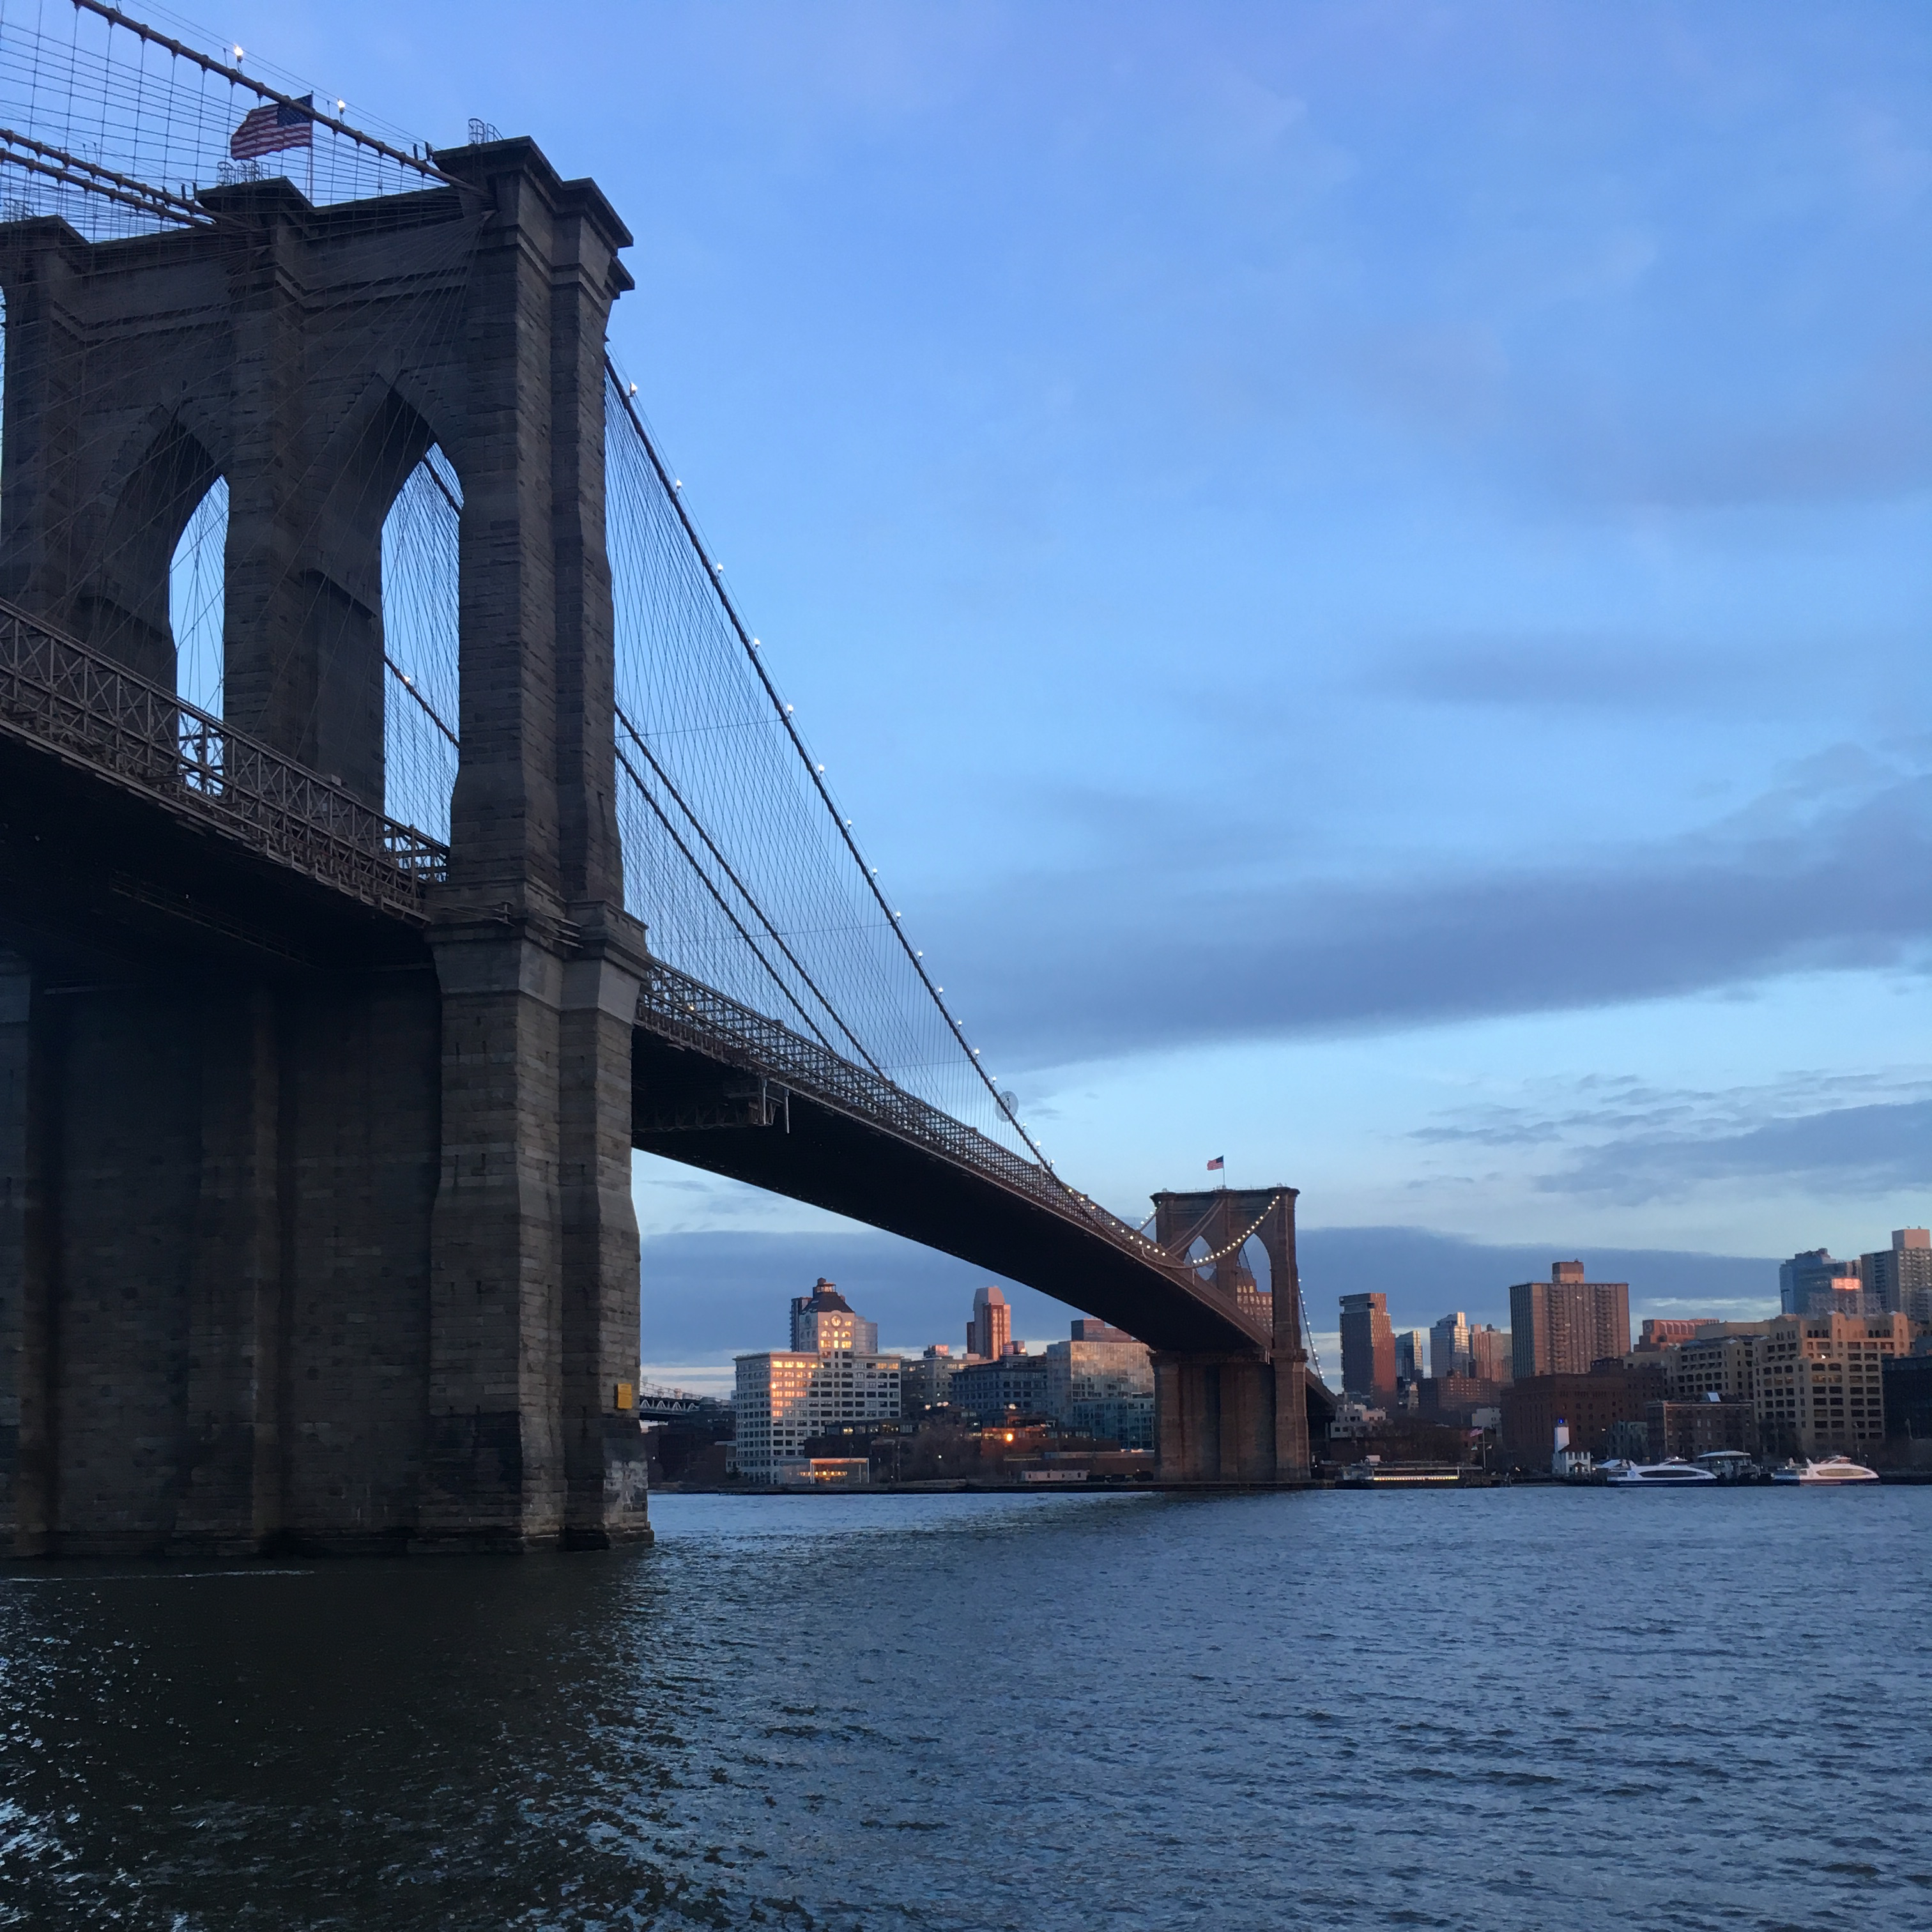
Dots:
{"x": 399, "y": 826}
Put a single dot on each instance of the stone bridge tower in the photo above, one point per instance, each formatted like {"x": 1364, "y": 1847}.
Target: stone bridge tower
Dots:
{"x": 315, "y": 1225}
{"x": 1235, "y": 1417}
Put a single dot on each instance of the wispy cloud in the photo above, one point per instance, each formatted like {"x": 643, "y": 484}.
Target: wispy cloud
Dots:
{"x": 1138, "y": 949}
{"x": 1571, "y": 671}
{"x": 1629, "y": 1142}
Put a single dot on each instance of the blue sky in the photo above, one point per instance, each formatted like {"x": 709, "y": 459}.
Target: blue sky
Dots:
{"x": 1364, "y": 569}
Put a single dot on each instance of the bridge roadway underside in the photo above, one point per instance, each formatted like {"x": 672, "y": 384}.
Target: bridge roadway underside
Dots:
{"x": 816, "y": 1153}
{"x": 1215, "y": 1387}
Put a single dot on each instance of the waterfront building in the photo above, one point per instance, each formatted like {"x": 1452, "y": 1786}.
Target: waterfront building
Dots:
{"x": 1820, "y": 1384}
{"x": 1906, "y": 1381}
{"x": 1568, "y": 1458}
{"x": 988, "y": 1390}
{"x": 1449, "y": 1346}
{"x": 1411, "y": 1355}
{"x": 1899, "y": 1277}
{"x": 1689, "y": 1430}
{"x": 822, "y": 1472}
{"x": 1532, "y": 1406}
{"x": 1355, "y": 1421}
{"x": 823, "y": 1320}
{"x": 990, "y": 1333}
{"x": 1100, "y": 1383}
{"x": 1489, "y": 1353}
{"x": 1368, "y": 1347}
{"x": 1565, "y": 1325}
{"x": 783, "y": 1399}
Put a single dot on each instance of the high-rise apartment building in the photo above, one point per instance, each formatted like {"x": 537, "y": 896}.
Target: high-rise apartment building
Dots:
{"x": 1562, "y": 1326}
{"x": 1489, "y": 1353}
{"x": 1899, "y": 1278}
{"x": 1813, "y": 1283}
{"x": 991, "y": 1329}
{"x": 1449, "y": 1346}
{"x": 1251, "y": 1298}
{"x": 1368, "y": 1347}
{"x": 1411, "y": 1355}
{"x": 823, "y": 1320}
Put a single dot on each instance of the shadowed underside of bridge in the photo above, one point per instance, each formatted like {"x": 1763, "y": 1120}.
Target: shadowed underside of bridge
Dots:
{"x": 315, "y": 1128}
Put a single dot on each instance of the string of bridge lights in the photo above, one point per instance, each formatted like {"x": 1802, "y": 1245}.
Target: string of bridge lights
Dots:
{"x": 1234, "y": 1246}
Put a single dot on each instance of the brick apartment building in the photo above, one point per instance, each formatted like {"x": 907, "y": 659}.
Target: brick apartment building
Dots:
{"x": 1592, "y": 1405}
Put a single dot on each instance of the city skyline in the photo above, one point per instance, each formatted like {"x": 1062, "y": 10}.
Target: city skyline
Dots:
{"x": 695, "y": 1322}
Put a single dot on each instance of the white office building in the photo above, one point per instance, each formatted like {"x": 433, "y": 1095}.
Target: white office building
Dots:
{"x": 784, "y": 1400}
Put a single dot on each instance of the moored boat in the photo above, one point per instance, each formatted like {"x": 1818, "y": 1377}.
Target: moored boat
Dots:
{"x": 1673, "y": 1474}
{"x": 1832, "y": 1469}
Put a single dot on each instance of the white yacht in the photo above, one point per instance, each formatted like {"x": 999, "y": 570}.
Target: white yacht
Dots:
{"x": 1673, "y": 1474}
{"x": 1833, "y": 1469}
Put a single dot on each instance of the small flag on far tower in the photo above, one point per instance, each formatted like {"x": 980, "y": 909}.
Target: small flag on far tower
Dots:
{"x": 1220, "y": 1160}
{"x": 273, "y": 126}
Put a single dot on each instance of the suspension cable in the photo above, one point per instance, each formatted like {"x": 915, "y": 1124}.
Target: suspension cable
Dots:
{"x": 140, "y": 30}
{"x": 691, "y": 858}
{"x": 745, "y": 891}
{"x": 409, "y": 684}
{"x": 714, "y": 576}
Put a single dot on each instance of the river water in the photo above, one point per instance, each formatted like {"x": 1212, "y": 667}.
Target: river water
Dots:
{"x": 1526, "y": 1708}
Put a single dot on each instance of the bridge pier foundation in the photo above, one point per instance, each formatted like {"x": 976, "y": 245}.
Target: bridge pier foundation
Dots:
{"x": 1214, "y": 1419}
{"x": 533, "y": 1315}
{"x": 214, "y": 1218}
{"x": 231, "y": 1503}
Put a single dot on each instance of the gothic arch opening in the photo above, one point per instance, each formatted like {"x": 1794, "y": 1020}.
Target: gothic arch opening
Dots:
{"x": 197, "y": 577}
{"x": 124, "y": 606}
{"x": 420, "y": 686}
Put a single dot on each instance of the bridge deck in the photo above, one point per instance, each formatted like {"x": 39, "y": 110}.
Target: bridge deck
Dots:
{"x": 721, "y": 1086}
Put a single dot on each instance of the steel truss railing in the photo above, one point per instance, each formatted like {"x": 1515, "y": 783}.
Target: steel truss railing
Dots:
{"x": 69, "y": 699}
{"x": 688, "y": 1013}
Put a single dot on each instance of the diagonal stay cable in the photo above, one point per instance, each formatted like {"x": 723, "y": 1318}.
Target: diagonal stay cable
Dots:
{"x": 745, "y": 891}
{"x": 630, "y": 771}
{"x": 713, "y": 577}
{"x": 408, "y": 683}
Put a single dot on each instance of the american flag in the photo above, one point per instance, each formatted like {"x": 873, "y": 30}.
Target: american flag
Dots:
{"x": 273, "y": 126}
{"x": 1220, "y": 1160}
